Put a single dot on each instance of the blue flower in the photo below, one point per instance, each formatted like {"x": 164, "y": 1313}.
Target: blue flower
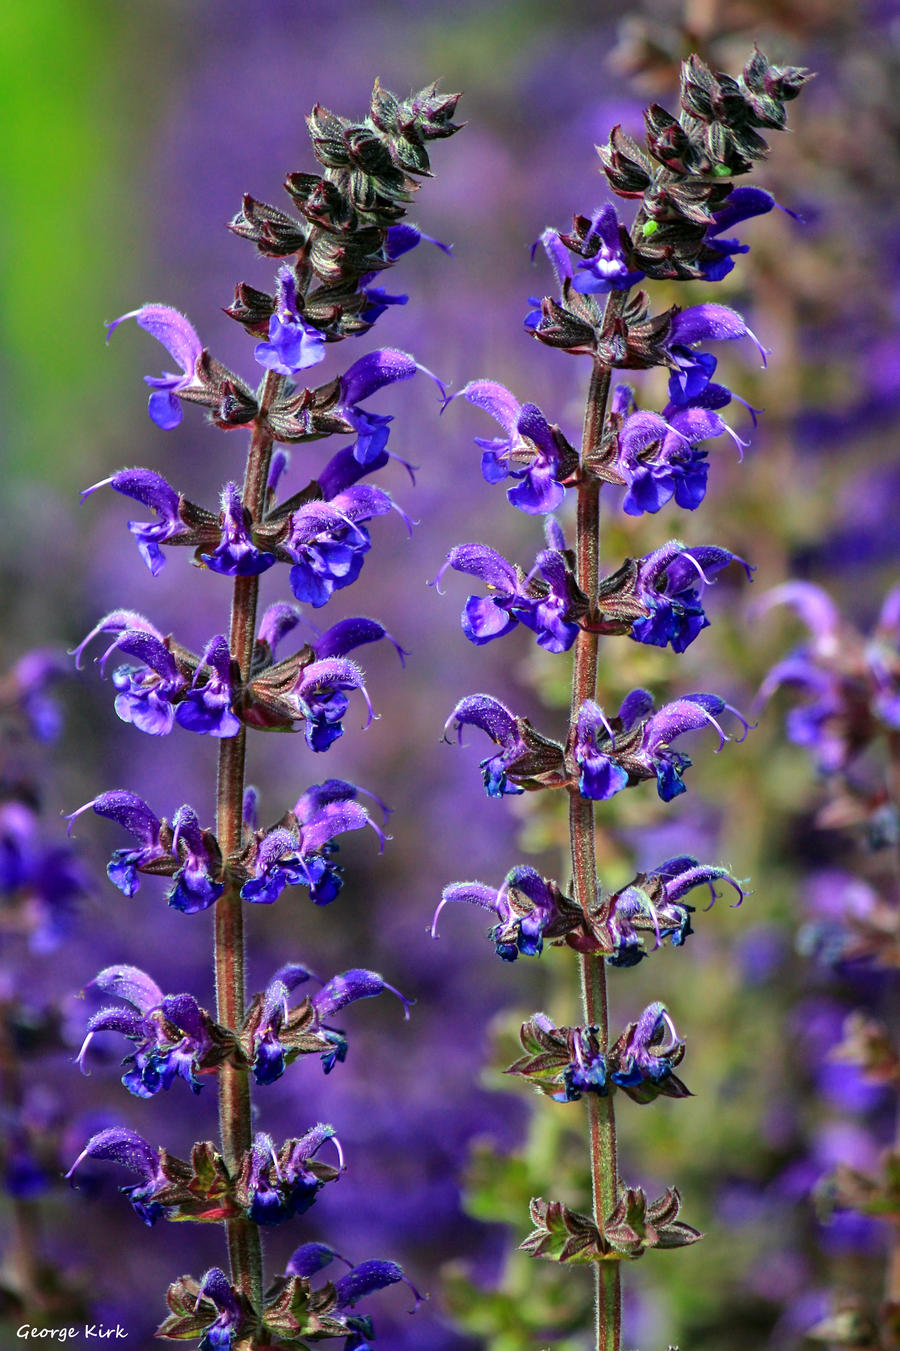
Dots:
{"x": 181, "y": 342}
{"x": 133, "y": 1152}
{"x": 171, "y": 1032}
{"x": 294, "y": 344}
{"x": 531, "y": 451}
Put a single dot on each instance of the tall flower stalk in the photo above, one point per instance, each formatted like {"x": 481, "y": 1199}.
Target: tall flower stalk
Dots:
{"x": 349, "y": 228}
{"x": 687, "y": 206}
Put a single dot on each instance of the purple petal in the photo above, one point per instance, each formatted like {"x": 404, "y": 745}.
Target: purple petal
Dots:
{"x": 373, "y": 371}
{"x": 129, "y": 983}
{"x": 473, "y": 893}
{"x": 496, "y": 400}
{"x": 168, "y": 327}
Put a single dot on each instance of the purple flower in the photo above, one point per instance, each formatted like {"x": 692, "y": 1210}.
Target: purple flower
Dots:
{"x": 236, "y": 555}
{"x": 599, "y": 776}
{"x": 294, "y": 344}
{"x": 653, "y": 903}
{"x": 280, "y": 1185}
{"x": 327, "y": 540}
{"x": 690, "y": 713}
{"x": 181, "y": 342}
{"x": 496, "y": 721}
{"x": 528, "y": 909}
{"x": 364, "y": 378}
{"x": 693, "y": 369}
{"x": 220, "y": 1334}
{"x": 531, "y": 451}
{"x": 300, "y": 854}
{"x": 146, "y": 694}
{"x": 151, "y": 490}
{"x": 368, "y": 1277}
{"x": 195, "y": 883}
{"x": 206, "y": 706}
{"x": 133, "y": 814}
{"x": 132, "y": 1151}
{"x": 611, "y": 756}
{"x": 741, "y": 204}
{"x": 541, "y": 601}
{"x": 659, "y": 459}
{"x": 603, "y": 266}
{"x": 667, "y": 584}
{"x": 171, "y": 1032}
{"x": 183, "y": 851}
{"x": 648, "y": 1051}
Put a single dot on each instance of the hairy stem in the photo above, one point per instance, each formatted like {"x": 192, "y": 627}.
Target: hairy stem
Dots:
{"x": 601, "y": 1116}
{"x": 244, "y": 1246}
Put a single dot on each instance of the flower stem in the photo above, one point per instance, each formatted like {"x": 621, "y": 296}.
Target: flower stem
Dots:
{"x": 244, "y": 1246}
{"x": 601, "y": 1115}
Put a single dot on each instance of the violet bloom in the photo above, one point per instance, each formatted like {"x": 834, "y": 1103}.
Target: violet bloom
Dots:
{"x": 28, "y": 684}
{"x": 220, "y": 1334}
{"x": 496, "y": 721}
{"x": 599, "y": 776}
{"x": 236, "y": 555}
{"x": 531, "y": 451}
{"x": 133, "y": 814}
{"x": 146, "y": 694}
{"x": 648, "y": 1051}
{"x": 151, "y": 490}
{"x": 610, "y": 761}
{"x": 280, "y": 1185}
{"x": 691, "y": 712}
{"x": 741, "y": 204}
{"x": 196, "y": 884}
{"x": 542, "y": 601}
{"x": 667, "y": 584}
{"x": 206, "y": 706}
{"x": 527, "y": 906}
{"x": 171, "y": 1032}
{"x": 364, "y": 378}
{"x": 183, "y": 851}
{"x": 301, "y": 854}
{"x": 181, "y": 342}
{"x": 133, "y": 1152}
{"x": 659, "y": 456}
{"x": 653, "y": 903}
{"x": 294, "y": 344}
{"x": 604, "y": 267}
{"x": 587, "y": 1071}
{"x": 327, "y": 540}
{"x": 701, "y": 323}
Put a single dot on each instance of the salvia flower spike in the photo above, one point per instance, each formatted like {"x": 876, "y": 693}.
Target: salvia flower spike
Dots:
{"x": 686, "y": 210}
{"x": 349, "y": 228}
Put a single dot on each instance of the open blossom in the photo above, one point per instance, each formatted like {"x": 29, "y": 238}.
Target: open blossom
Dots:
{"x": 124, "y": 1146}
{"x": 635, "y": 746}
{"x": 182, "y": 850}
{"x": 181, "y": 342}
{"x": 151, "y": 490}
{"x": 528, "y": 907}
{"x": 543, "y": 601}
{"x": 171, "y": 1033}
{"x": 301, "y": 852}
{"x": 653, "y": 905}
{"x": 363, "y": 379}
{"x": 531, "y": 451}
{"x": 668, "y": 583}
{"x": 293, "y": 343}
{"x": 276, "y": 1185}
{"x": 327, "y": 539}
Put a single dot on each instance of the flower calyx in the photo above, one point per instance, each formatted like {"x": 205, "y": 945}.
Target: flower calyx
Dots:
{"x": 564, "y": 1235}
